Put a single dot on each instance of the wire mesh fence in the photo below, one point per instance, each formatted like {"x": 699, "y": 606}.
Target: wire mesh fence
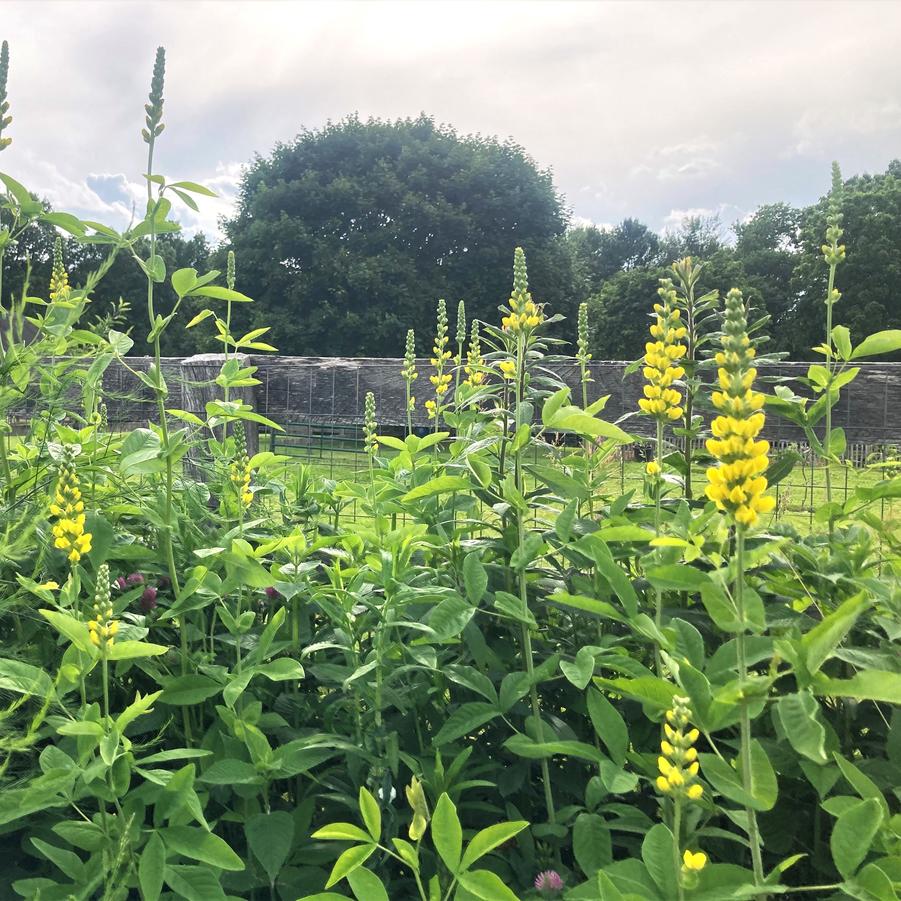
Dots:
{"x": 335, "y": 451}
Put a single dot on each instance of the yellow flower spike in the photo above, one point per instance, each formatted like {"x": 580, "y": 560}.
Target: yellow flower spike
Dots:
{"x": 740, "y": 456}
{"x": 525, "y": 314}
{"x": 68, "y": 509}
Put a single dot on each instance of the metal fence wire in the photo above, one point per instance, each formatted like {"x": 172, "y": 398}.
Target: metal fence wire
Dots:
{"x": 335, "y": 451}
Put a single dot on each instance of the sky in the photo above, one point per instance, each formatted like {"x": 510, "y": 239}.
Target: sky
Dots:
{"x": 655, "y": 110}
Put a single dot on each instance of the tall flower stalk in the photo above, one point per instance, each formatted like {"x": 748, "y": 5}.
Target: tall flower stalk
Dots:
{"x": 696, "y": 312}
{"x": 461, "y": 343}
{"x": 441, "y": 378}
{"x": 520, "y": 324}
{"x": 737, "y": 486}
{"x": 410, "y": 375}
{"x": 678, "y": 780}
{"x": 833, "y": 254}
{"x": 662, "y": 401}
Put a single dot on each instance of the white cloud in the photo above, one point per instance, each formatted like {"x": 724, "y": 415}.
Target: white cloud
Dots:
{"x": 631, "y": 125}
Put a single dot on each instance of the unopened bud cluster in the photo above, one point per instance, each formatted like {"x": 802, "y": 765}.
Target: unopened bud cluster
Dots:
{"x": 409, "y": 372}
{"x": 474, "y": 369}
{"x": 4, "y": 103}
{"x": 153, "y": 123}
{"x": 102, "y": 628}
{"x": 370, "y": 426}
{"x": 524, "y": 313}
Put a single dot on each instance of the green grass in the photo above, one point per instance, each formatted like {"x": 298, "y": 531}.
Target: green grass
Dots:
{"x": 798, "y": 496}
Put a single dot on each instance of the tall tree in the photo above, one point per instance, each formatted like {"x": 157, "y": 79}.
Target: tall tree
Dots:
{"x": 768, "y": 245}
{"x": 869, "y": 277}
{"x": 348, "y": 235}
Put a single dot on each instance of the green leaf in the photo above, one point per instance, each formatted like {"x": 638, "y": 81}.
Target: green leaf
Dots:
{"x": 464, "y": 720}
{"x": 219, "y": 293}
{"x": 609, "y": 725}
{"x": 194, "y": 188}
{"x": 867, "y": 685}
{"x": 657, "y": 853}
{"x": 366, "y": 886}
{"x": 486, "y": 840}
{"x": 819, "y": 643}
{"x": 801, "y": 721}
{"x": 841, "y": 337}
{"x": 23, "y": 678}
{"x": 592, "y": 843}
{"x": 120, "y": 343}
{"x": 475, "y": 578}
{"x": 229, "y": 771}
{"x": 596, "y": 549}
{"x": 187, "y": 690}
{"x": 73, "y": 629}
{"x": 133, "y": 650}
{"x": 580, "y": 671}
{"x": 884, "y": 342}
{"x": 198, "y": 844}
{"x": 183, "y": 280}
{"x": 342, "y": 832}
{"x": 67, "y": 861}
{"x": 348, "y": 862}
{"x": 587, "y": 426}
{"x": 372, "y": 816}
{"x": 853, "y": 834}
{"x": 151, "y": 867}
{"x": 524, "y": 746}
{"x": 194, "y": 883}
{"x": 439, "y": 485}
{"x": 270, "y": 837}
{"x": 447, "y": 835}
{"x": 728, "y": 782}
{"x": 487, "y": 886}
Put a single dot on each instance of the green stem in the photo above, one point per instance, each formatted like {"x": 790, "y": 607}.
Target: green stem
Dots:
{"x": 523, "y": 588}
{"x": 745, "y": 721}
{"x": 677, "y": 845}
{"x": 658, "y": 596}
{"x": 827, "y": 438}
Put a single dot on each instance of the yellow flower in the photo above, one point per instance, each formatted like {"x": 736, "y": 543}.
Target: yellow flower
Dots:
{"x": 68, "y": 507}
{"x": 737, "y": 485}
{"x": 653, "y": 468}
{"x": 694, "y": 861}
{"x": 418, "y": 804}
{"x": 662, "y": 357}
{"x": 678, "y": 764}
{"x": 508, "y": 369}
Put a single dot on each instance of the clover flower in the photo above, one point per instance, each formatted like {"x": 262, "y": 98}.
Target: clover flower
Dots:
{"x": 370, "y": 427}
{"x": 678, "y": 764}
{"x": 147, "y": 601}
{"x": 524, "y": 313}
{"x": 549, "y": 883}
{"x": 102, "y": 628}
{"x": 737, "y": 485}
{"x": 474, "y": 370}
{"x": 662, "y": 356}
{"x": 240, "y": 469}
{"x": 68, "y": 508}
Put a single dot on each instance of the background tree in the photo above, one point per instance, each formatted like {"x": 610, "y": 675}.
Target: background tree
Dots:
{"x": 767, "y": 245}
{"x": 348, "y": 235}
{"x": 869, "y": 277}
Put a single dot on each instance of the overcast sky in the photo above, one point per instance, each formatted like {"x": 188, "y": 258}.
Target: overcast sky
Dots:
{"x": 650, "y": 109}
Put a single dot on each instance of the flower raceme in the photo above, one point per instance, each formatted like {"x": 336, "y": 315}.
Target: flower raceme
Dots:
{"x": 240, "y": 471}
{"x": 524, "y": 314}
{"x": 102, "y": 628}
{"x": 68, "y": 507}
{"x": 662, "y": 356}
{"x": 441, "y": 379}
{"x": 737, "y": 484}
{"x": 678, "y": 764}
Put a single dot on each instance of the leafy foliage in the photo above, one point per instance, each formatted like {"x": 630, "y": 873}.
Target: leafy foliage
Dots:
{"x": 507, "y": 680}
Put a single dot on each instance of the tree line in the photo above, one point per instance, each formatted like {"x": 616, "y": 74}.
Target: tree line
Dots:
{"x": 347, "y": 235}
